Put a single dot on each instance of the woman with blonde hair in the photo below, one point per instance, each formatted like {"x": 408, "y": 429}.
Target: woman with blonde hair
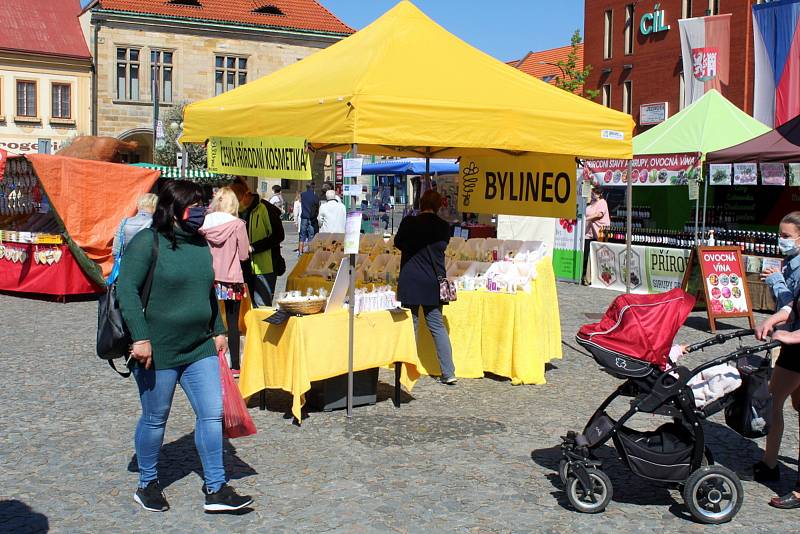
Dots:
{"x": 227, "y": 237}
{"x": 130, "y": 226}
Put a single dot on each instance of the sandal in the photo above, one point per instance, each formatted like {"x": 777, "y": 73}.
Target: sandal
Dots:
{"x": 786, "y": 502}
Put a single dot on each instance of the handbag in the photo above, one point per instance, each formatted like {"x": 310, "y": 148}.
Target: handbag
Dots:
{"x": 113, "y": 338}
{"x": 447, "y": 288}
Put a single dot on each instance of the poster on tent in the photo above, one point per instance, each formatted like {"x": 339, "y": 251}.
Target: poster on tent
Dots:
{"x": 568, "y": 249}
{"x": 532, "y": 184}
{"x": 653, "y": 269}
{"x": 745, "y": 174}
{"x": 277, "y": 157}
{"x": 720, "y": 174}
{"x": 773, "y": 174}
{"x": 793, "y": 174}
{"x": 657, "y": 170}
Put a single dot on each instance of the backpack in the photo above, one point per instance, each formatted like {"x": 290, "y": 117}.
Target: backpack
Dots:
{"x": 113, "y": 338}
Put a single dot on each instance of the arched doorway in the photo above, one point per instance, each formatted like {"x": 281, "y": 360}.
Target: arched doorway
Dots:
{"x": 143, "y": 137}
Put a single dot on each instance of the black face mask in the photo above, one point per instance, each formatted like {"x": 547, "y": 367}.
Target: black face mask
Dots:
{"x": 195, "y": 219}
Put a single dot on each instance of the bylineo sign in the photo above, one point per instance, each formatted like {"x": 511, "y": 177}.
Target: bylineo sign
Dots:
{"x": 653, "y": 22}
{"x": 534, "y": 185}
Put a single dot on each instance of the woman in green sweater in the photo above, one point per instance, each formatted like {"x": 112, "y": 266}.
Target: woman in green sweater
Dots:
{"x": 176, "y": 340}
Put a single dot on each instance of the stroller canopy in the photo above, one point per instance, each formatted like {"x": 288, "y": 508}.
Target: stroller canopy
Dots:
{"x": 642, "y": 327}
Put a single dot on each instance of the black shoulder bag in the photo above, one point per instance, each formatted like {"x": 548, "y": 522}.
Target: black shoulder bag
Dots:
{"x": 113, "y": 338}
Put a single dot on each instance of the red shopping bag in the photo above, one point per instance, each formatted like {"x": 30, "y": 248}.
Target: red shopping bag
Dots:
{"x": 236, "y": 420}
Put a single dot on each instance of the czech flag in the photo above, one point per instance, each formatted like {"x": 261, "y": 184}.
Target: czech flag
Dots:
{"x": 776, "y": 36}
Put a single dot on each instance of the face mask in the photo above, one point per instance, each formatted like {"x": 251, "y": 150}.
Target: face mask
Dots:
{"x": 787, "y": 246}
{"x": 193, "y": 218}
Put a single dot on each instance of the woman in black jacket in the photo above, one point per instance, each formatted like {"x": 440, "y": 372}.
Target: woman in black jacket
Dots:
{"x": 422, "y": 239}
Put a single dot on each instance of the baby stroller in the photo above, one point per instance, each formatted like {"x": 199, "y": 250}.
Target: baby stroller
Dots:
{"x": 632, "y": 343}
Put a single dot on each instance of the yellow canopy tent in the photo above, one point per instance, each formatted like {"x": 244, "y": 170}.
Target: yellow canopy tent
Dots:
{"x": 404, "y": 86}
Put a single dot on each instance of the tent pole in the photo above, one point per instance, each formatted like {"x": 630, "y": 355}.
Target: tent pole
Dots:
{"x": 351, "y": 293}
{"x": 704, "y": 175}
{"x": 427, "y": 169}
{"x": 696, "y": 220}
{"x": 628, "y": 224}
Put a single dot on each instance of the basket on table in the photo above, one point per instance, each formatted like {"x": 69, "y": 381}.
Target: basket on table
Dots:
{"x": 308, "y": 306}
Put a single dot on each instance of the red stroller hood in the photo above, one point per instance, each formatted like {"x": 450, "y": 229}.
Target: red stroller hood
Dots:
{"x": 642, "y": 327}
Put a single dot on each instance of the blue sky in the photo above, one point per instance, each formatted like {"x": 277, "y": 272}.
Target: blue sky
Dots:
{"x": 506, "y": 29}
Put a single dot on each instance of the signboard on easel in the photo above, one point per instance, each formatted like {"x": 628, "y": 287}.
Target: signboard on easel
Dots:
{"x": 722, "y": 280}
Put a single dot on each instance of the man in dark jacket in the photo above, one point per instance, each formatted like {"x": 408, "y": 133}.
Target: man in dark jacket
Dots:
{"x": 309, "y": 203}
{"x": 266, "y": 264}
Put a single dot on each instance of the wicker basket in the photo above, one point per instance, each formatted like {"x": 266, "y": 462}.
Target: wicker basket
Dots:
{"x": 303, "y": 307}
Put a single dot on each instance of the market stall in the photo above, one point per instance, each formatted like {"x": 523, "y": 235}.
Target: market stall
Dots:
{"x": 667, "y": 164}
{"x": 348, "y": 98}
{"x": 58, "y": 217}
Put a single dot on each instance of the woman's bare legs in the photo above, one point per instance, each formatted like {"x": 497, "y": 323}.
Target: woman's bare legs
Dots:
{"x": 784, "y": 383}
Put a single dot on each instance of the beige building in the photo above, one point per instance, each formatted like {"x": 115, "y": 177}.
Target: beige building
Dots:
{"x": 193, "y": 49}
{"x": 45, "y": 75}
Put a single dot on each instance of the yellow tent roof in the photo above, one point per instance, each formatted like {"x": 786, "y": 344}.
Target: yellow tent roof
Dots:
{"x": 403, "y": 85}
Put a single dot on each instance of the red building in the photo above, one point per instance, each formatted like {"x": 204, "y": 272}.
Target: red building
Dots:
{"x": 634, "y": 49}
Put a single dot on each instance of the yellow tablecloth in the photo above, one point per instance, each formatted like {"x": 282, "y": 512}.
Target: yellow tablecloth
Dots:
{"x": 513, "y": 336}
{"x": 314, "y": 347}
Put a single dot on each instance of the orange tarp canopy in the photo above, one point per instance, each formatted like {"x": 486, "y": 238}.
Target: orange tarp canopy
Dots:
{"x": 91, "y": 198}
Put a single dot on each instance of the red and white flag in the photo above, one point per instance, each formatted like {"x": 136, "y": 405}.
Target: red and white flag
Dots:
{"x": 705, "y": 46}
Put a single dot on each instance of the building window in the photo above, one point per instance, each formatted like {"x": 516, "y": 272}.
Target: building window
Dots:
{"x": 161, "y": 70}
{"x": 681, "y": 94}
{"x": 230, "y": 72}
{"x": 608, "y": 34}
{"x": 627, "y": 97}
{"x": 713, "y": 7}
{"x": 607, "y": 95}
{"x": 128, "y": 73}
{"x": 629, "y": 32}
{"x": 61, "y": 99}
{"x": 686, "y": 9}
{"x": 26, "y": 98}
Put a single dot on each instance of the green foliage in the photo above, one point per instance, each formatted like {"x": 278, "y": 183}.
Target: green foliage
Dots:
{"x": 573, "y": 78}
{"x": 166, "y": 154}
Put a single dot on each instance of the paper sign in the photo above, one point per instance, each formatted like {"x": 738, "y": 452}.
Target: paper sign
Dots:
{"x": 745, "y": 174}
{"x": 720, "y": 174}
{"x": 352, "y": 232}
{"x": 539, "y": 185}
{"x": 773, "y": 174}
{"x": 353, "y": 190}
{"x": 694, "y": 189}
{"x": 793, "y": 174}
{"x": 275, "y": 157}
{"x": 352, "y": 167}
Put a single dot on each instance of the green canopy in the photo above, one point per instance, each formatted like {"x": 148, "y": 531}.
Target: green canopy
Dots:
{"x": 195, "y": 174}
{"x": 710, "y": 124}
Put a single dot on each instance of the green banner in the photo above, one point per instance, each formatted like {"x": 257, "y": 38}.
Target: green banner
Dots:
{"x": 284, "y": 158}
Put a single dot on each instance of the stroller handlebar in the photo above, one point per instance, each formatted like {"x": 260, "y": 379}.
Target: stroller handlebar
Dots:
{"x": 719, "y": 339}
{"x": 735, "y": 355}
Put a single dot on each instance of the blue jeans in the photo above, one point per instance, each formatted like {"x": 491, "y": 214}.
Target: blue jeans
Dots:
{"x": 435, "y": 321}
{"x": 307, "y": 229}
{"x": 262, "y": 289}
{"x": 201, "y": 383}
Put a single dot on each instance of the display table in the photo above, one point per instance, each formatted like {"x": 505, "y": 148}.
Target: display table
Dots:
{"x": 60, "y": 279}
{"x": 509, "y": 335}
{"x": 659, "y": 269}
{"x": 314, "y": 347}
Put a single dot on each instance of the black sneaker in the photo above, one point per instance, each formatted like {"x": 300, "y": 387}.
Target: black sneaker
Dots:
{"x": 763, "y": 473}
{"x": 151, "y": 498}
{"x": 225, "y": 500}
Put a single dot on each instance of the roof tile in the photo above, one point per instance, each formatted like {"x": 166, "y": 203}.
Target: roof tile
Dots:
{"x": 543, "y": 65}
{"x": 298, "y": 14}
{"x": 43, "y": 27}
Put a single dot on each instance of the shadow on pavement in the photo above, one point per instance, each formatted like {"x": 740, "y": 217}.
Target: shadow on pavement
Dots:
{"x": 179, "y": 459}
{"x": 385, "y": 392}
{"x": 16, "y": 516}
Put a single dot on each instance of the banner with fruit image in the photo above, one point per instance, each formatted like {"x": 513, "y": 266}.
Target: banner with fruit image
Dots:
{"x": 657, "y": 170}
{"x": 568, "y": 250}
{"x": 653, "y": 269}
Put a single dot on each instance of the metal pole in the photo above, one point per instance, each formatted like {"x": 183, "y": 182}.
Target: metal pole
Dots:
{"x": 351, "y": 293}
{"x": 154, "y": 90}
{"x": 705, "y": 199}
{"x": 696, "y": 219}
{"x": 427, "y": 169}
{"x": 628, "y": 224}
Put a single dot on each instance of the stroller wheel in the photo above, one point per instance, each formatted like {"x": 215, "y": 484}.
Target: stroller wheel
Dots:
{"x": 591, "y": 500}
{"x": 563, "y": 469}
{"x": 713, "y": 494}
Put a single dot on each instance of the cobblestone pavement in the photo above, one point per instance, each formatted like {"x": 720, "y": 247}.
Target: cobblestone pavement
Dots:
{"x": 478, "y": 457}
